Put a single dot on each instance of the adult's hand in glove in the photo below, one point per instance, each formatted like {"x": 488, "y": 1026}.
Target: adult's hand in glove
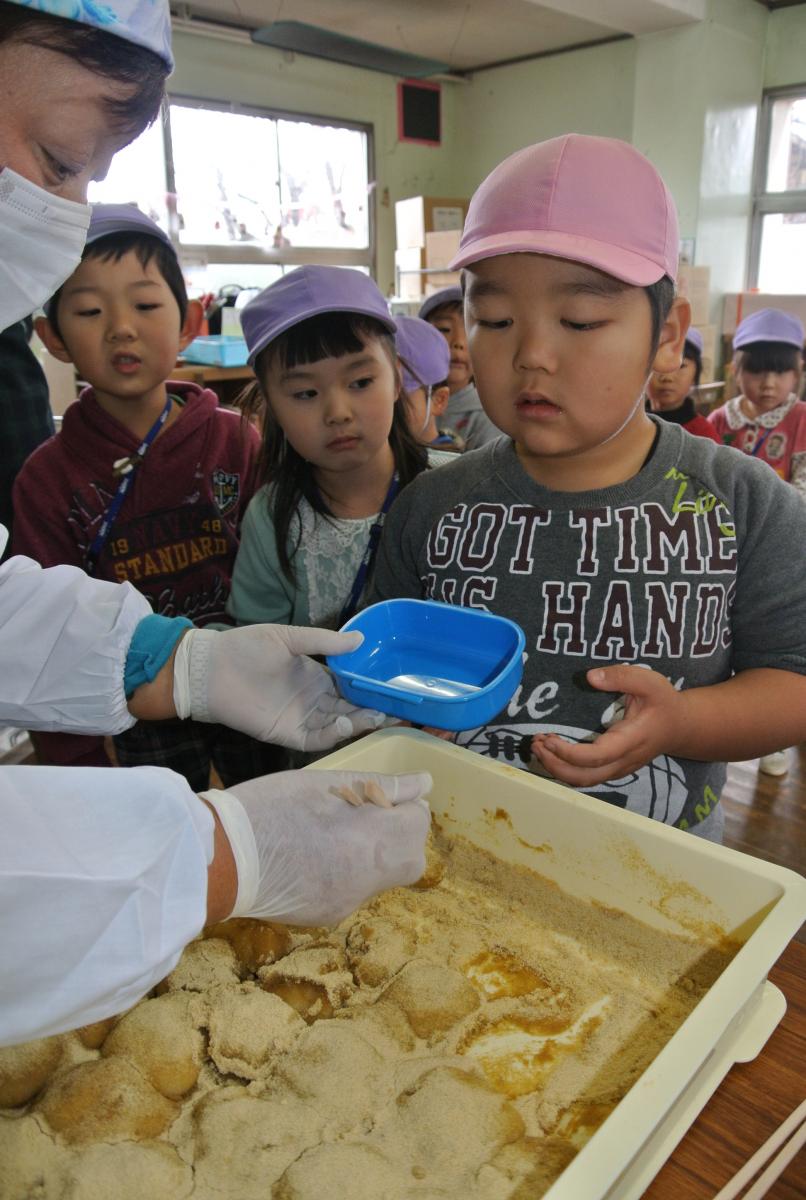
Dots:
{"x": 257, "y": 679}
{"x": 306, "y": 856}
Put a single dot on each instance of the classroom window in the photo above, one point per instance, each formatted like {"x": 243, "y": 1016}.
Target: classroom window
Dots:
{"x": 248, "y": 194}
{"x": 778, "y": 236}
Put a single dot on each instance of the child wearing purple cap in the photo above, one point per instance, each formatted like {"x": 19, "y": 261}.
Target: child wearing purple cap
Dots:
{"x": 665, "y": 630}
{"x": 669, "y": 395}
{"x": 464, "y": 414}
{"x": 146, "y": 482}
{"x": 767, "y": 420}
{"x": 337, "y": 448}
{"x": 424, "y": 362}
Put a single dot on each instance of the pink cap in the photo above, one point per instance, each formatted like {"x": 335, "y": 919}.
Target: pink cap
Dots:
{"x": 592, "y": 200}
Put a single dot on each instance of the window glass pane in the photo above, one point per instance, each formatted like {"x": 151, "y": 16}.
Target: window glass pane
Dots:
{"x": 323, "y": 181}
{"x": 137, "y": 176}
{"x": 786, "y": 164}
{"x": 783, "y": 252}
{"x": 225, "y": 167}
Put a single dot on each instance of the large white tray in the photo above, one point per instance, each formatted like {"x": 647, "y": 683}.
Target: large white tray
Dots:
{"x": 666, "y": 878}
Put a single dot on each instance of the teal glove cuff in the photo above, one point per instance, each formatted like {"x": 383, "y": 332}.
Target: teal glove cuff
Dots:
{"x": 151, "y": 647}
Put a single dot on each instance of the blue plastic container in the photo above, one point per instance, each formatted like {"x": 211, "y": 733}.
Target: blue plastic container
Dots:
{"x": 217, "y": 350}
{"x": 433, "y": 664}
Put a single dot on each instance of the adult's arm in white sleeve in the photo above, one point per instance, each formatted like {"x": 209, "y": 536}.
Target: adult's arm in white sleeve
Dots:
{"x": 103, "y": 882}
{"x": 64, "y": 638}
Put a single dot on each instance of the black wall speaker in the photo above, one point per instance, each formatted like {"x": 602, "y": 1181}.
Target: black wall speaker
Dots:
{"x": 418, "y": 112}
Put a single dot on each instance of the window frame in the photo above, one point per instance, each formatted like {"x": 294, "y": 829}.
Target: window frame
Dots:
{"x": 764, "y": 202}
{"x": 251, "y": 252}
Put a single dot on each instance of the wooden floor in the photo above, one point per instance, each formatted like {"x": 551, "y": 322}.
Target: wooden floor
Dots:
{"x": 766, "y": 815}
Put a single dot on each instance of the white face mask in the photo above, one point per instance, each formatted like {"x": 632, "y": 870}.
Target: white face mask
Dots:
{"x": 41, "y": 239}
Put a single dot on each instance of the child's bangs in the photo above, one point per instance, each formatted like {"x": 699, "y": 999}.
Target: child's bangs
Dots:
{"x": 769, "y": 356}
{"x": 329, "y": 335}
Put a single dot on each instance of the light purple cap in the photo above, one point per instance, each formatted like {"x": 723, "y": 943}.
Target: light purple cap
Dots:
{"x": 448, "y": 295}
{"x": 144, "y": 22}
{"x": 694, "y": 338}
{"x": 122, "y": 218}
{"x": 769, "y": 325}
{"x": 425, "y": 354}
{"x": 119, "y": 218}
{"x": 592, "y": 200}
{"x": 309, "y": 292}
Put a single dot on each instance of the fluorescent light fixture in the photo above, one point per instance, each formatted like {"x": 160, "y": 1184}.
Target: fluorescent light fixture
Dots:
{"x": 323, "y": 43}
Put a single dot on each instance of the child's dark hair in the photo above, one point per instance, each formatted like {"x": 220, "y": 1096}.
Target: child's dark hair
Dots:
{"x": 760, "y": 357}
{"x": 444, "y": 310}
{"x": 147, "y": 248}
{"x": 661, "y": 298}
{"x": 330, "y": 335}
{"x": 103, "y": 53}
{"x": 692, "y": 353}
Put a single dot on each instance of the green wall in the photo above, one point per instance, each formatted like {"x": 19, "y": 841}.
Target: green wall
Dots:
{"x": 786, "y": 47}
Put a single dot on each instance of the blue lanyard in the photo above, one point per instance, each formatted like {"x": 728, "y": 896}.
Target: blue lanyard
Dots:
{"x": 761, "y": 441}
{"x": 125, "y": 468}
{"x": 369, "y": 554}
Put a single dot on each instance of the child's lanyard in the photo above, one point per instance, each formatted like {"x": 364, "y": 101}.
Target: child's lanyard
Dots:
{"x": 369, "y": 554}
{"x": 125, "y": 468}
{"x": 761, "y": 441}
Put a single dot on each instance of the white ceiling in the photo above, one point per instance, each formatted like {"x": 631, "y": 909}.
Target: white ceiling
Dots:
{"x": 466, "y": 34}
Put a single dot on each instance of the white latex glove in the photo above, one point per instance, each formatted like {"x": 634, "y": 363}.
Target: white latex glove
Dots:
{"x": 258, "y": 679}
{"x": 306, "y": 857}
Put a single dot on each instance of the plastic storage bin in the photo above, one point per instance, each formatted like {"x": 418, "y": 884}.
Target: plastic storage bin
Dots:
{"x": 664, "y": 877}
{"x": 217, "y": 350}
{"x": 434, "y": 664}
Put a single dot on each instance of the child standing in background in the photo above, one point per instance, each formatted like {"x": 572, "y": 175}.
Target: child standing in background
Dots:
{"x": 464, "y": 414}
{"x": 767, "y": 420}
{"x": 336, "y": 447}
{"x": 669, "y": 392}
{"x": 146, "y": 482}
{"x": 424, "y": 360}
{"x": 665, "y": 629}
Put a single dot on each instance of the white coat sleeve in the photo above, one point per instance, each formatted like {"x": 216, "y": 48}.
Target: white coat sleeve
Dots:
{"x": 103, "y": 881}
{"x": 64, "y": 638}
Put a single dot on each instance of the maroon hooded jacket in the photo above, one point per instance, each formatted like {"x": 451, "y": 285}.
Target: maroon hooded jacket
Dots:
{"x": 177, "y": 532}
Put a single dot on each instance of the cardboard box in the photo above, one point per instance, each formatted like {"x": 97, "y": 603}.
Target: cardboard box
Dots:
{"x": 695, "y": 284}
{"x": 419, "y": 215}
{"x": 709, "y": 350}
{"x": 443, "y": 279}
{"x": 441, "y": 248}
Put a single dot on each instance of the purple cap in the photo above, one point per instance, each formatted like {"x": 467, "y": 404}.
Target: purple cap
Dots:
{"x": 118, "y": 218}
{"x": 448, "y": 295}
{"x": 144, "y": 22}
{"x": 694, "y": 338}
{"x": 769, "y": 325}
{"x": 425, "y": 354}
{"x": 122, "y": 218}
{"x": 593, "y": 200}
{"x": 308, "y": 292}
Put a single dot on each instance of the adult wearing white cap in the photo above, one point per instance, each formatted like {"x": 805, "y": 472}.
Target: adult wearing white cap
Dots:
{"x": 105, "y": 875}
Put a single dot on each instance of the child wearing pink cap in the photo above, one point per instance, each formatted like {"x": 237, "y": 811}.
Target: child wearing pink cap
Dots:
{"x": 665, "y": 631}
{"x": 337, "y": 448}
{"x": 669, "y": 393}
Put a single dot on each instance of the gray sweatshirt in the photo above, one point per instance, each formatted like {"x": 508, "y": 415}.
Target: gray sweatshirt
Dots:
{"x": 465, "y": 416}
{"x": 693, "y": 567}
